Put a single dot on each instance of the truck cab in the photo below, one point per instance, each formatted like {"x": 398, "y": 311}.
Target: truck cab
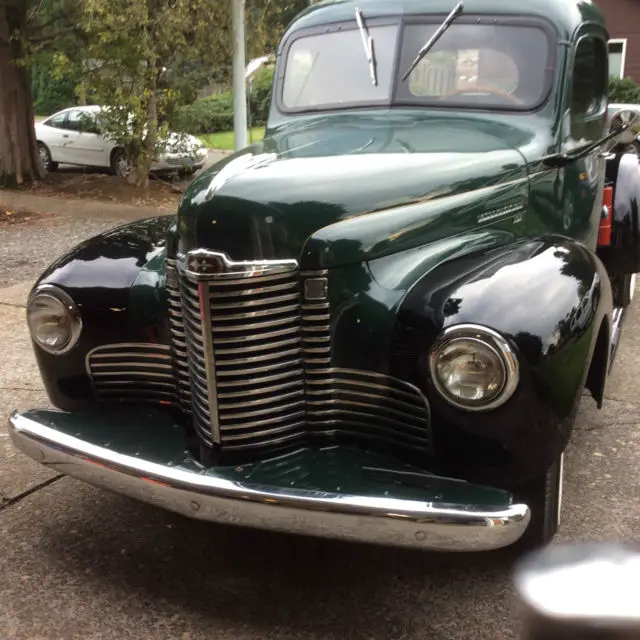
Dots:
{"x": 377, "y": 323}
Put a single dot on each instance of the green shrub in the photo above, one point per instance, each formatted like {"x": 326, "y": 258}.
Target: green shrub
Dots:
{"x": 215, "y": 113}
{"x": 261, "y": 97}
{"x": 51, "y": 92}
{"x": 624, "y": 90}
{"x": 207, "y": 115}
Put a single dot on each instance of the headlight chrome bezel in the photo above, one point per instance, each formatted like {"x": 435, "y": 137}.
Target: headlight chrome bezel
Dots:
{"x": 73, "y": 314}
{"x": 491, "y": 340}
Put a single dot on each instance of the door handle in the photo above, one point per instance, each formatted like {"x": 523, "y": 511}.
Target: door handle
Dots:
{"x": 65, "y": 135}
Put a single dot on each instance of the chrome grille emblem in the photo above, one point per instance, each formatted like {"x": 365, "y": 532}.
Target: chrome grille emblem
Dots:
{"x": 202, "y": 263}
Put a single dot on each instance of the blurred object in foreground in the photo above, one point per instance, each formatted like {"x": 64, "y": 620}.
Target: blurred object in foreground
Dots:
{"x": 586, "y": 590}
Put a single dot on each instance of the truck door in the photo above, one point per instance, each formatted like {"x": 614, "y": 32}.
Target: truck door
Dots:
{"x": 583, "y": 180}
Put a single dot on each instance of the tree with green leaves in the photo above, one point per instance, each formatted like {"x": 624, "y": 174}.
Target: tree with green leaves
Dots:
{"x": 128, "y": 55}
{"x": 138, "y": 48}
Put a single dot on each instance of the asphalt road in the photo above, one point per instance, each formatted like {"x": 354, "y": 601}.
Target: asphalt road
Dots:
{"x": 77, "y": 562}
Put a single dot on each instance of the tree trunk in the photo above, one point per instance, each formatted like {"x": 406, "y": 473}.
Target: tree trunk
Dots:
{"x": 149, "y": 146}
{"x": 19, "y": 161}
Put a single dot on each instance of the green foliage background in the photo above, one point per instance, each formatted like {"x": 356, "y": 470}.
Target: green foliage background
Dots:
{"x": 215, "y": 113}
{"x": 50, "y": 93}
{"x": 198, "y": 55}
{"x": 624, "y": 90}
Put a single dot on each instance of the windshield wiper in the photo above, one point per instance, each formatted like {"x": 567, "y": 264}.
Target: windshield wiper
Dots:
{"x": 434, "y": 38}
{"x": 367, "y": 42}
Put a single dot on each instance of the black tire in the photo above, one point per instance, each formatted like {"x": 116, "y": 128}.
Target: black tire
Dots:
{"x": 119, "y": 164}
{"x": 543, "y": 495}
{"x": 623, "y": 290}
{"x": 45, "y": 158}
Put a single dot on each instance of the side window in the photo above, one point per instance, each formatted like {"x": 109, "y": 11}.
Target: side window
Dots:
{"x": 56, "y": 121}
{"x": 590, "y": 78}
{"x": 75, "y": 122}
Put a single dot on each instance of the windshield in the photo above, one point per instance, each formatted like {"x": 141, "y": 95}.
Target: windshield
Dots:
{"x": 489, "y": 66}
{"x": 329, "y": 69}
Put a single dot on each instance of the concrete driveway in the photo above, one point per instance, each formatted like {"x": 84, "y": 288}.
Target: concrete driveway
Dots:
{"x": 77, "y": 562}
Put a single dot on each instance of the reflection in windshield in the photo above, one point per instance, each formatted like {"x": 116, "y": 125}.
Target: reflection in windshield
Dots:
{"x": 457, "y": 10}
{"x": 325, "y": 70}
{"x": 471, "y": 65}
{"x": 480, "y": 65}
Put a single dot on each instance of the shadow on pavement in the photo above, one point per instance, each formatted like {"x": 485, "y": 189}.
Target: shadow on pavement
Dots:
{"x": 239, "y": 578}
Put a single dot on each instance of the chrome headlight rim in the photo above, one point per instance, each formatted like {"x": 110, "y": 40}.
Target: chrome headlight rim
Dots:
{"x": 75, "y": 320}
{"x": 490, "y": 339}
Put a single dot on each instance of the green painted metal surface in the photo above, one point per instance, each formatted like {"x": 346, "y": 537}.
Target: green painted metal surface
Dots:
{"x": 150, "y": 435}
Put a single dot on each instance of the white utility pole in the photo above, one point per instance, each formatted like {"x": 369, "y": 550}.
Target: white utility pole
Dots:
{"x": 239, "y": 85}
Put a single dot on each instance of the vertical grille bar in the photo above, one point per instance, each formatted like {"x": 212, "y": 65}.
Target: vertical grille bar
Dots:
{"x": 178, "y": 338}
{"x": 209, "y": 360}
{"x": 255, "y": 328}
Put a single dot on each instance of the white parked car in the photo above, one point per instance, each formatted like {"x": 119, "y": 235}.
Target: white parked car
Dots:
{"x": 73, "y": 136}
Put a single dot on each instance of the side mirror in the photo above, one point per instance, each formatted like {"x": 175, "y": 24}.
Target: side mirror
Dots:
{"x": 629, "y": 117}
{"x": 256, "y": 64}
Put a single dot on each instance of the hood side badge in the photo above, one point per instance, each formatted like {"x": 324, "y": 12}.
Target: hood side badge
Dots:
{"x": 503, "y": 212}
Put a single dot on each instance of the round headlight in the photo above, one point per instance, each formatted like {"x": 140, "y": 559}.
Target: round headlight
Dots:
{"x": 53, "y": 319}
{"x": 474, "y": 368}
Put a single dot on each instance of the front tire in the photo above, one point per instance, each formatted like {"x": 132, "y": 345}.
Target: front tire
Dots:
{"x": 120, "y": 165}
{"x": 543, "y": 495}
{"x": 48, "y": 165}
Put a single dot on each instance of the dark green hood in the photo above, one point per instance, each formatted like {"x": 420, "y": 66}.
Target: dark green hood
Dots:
{"x": 379, "y": 183}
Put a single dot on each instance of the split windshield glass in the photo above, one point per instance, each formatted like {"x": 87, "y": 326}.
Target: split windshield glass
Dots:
{"x": 488, "y": 66}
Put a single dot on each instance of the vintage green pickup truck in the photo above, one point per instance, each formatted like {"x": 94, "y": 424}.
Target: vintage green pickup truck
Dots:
{"x": 378, "y": 323}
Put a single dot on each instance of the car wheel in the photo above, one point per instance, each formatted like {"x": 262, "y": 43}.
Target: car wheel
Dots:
{"x": 120, "y": 164}
{"x": 543, "y": 495}
{"x": 45, "y": 158}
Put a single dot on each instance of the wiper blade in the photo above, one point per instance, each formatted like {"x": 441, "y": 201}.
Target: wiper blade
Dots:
{"x": 459, "y": 8}
{"x": 367, "y": 42}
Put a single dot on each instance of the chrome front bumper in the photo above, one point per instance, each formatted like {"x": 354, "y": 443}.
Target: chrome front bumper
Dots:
{"x": 194, "y": 491}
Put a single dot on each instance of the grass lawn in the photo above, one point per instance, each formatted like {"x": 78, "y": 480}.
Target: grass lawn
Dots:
{"x": 227, "y": 139}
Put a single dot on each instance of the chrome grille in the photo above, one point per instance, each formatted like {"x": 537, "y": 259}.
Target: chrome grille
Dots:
{"x": 257, "y": 356}
{"x": 133, "y": 372}
{"x": 364, "y": 403}
{"x": 178, "y": 338}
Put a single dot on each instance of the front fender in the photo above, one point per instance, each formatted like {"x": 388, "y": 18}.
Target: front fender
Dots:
{"x": 549, "y": 297}
{"x": 117, "y": 282}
